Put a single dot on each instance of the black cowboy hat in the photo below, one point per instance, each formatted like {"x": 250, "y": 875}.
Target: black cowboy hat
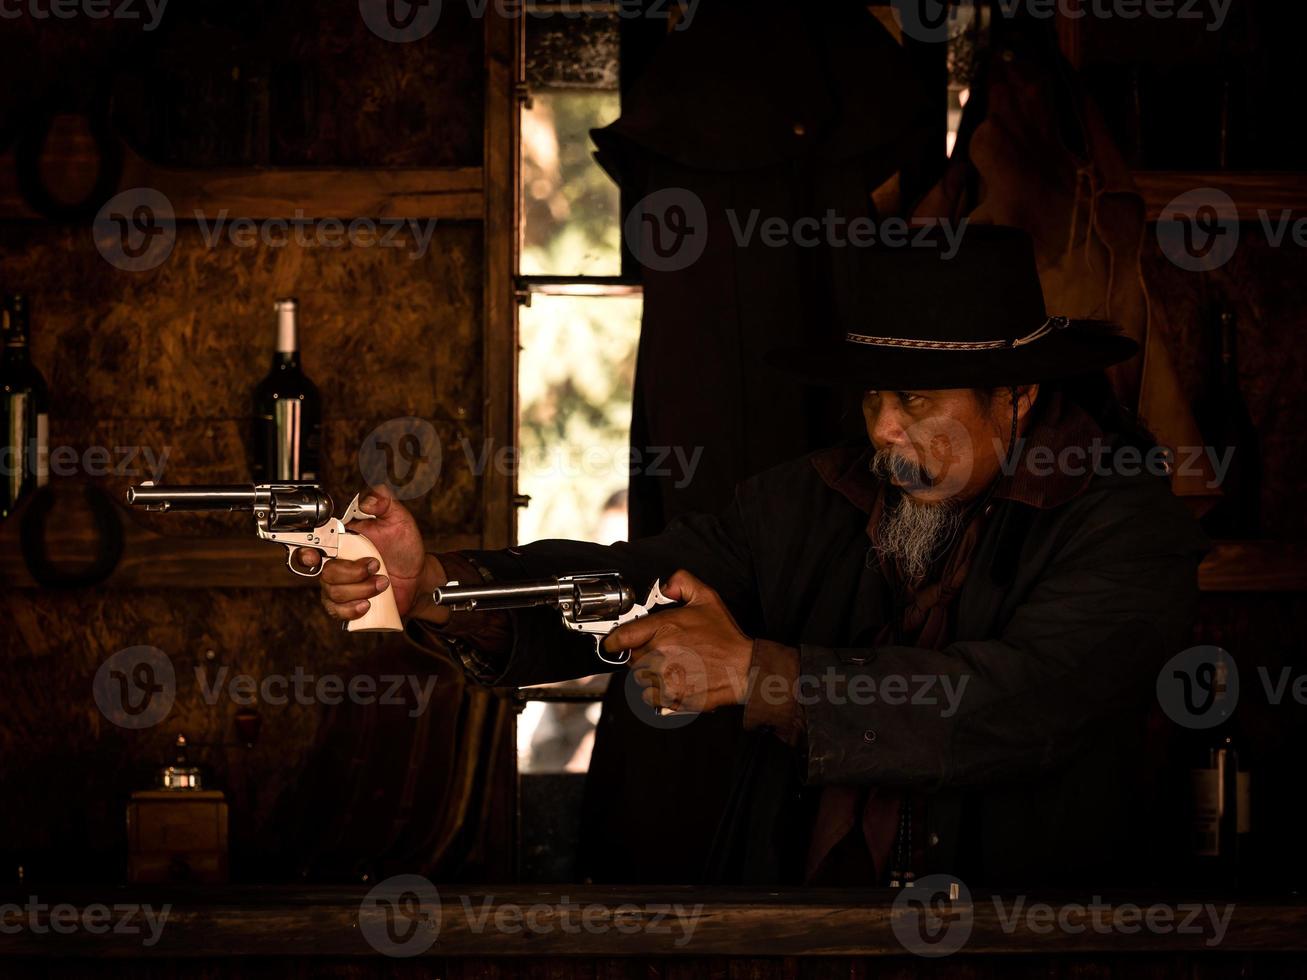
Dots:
{"x": 931, "y": 313}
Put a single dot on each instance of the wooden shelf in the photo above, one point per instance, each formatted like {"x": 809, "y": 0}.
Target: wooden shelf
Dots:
{"x": 1255, "y": 566}
{"x": 154, "y": 561}
{"x": 453, "y": 193}
{"x": 1251, "y": 191}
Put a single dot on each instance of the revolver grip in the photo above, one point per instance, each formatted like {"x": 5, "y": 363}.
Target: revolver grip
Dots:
{"x": 382, "y": 615}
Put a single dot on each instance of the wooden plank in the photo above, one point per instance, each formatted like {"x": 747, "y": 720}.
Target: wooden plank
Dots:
{"x": 1255, "y": 566}
{"x": 453, "y": 193}
{"x": 594, "y": 921}
{"x": 503, "y": 43}
{"x": 155, "y": 561}
{"x": 1251, "y": 192}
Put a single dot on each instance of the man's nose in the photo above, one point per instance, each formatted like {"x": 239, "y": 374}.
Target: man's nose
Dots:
{"x": 885, "y": 426}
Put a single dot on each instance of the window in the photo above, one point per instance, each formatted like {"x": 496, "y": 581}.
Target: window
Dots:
{"x": 578, "y": 329}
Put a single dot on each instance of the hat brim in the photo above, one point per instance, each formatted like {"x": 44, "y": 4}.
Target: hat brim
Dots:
{"x": 1080, "y": 348}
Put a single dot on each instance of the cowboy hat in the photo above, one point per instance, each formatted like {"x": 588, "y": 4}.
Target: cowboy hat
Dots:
{"x": 935, "y": 314}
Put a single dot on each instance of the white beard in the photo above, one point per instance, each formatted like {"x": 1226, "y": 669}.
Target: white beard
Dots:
{"x": 914, "y": 533}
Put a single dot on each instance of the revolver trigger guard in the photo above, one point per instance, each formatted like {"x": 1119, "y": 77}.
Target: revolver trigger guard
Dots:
{"x": 303, "y": 572}
{"x": 617, "y": 659}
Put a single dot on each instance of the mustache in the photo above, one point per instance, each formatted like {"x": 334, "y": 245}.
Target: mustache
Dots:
{"x": 887, "y": 464}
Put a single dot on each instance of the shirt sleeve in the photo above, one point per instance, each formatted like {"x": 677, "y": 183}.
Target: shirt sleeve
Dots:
{"x": 770, "y": 702}
{"x": 533, "y": 647}
{"x": 481, "y": 641}
{"x": 1118, "y": 598}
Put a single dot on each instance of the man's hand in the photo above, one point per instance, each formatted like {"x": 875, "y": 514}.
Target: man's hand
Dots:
{"x": 694, "y": 658}
{"x": 348, "y": 585}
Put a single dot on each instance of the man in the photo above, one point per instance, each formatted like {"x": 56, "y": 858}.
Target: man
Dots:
{"x": 942, "y": 644}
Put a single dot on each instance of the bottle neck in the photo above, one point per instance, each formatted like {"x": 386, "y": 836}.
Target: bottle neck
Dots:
{"x": 15, "y": 351}
{"x": 17, "y": 328}
{"x": 287, "y": 330}
{"x": 288, "y": 345}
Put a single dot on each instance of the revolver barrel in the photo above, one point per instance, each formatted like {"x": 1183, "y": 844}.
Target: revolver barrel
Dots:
{"x": 288, "y": 506}
{"x": 579, "y": 597}
{"x": 520, "y": 595}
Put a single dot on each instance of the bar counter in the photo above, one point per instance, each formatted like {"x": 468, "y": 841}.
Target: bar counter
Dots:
{"x": 407, "y": 927}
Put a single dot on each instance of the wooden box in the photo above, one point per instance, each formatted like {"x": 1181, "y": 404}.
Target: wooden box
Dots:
{"x": 177, "y": 835}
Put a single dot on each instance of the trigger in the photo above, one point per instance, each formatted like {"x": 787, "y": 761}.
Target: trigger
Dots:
{"x": 304, "y": 570}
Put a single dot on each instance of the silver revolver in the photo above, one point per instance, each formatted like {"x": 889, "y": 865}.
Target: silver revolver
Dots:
{"x": 594, "y": 603}
{"x": 293, "y": 515}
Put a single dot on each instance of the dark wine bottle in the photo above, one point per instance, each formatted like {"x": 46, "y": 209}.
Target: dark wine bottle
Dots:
{"x": 1223, "y": 418}
{"x": 287, "y": 437}
{"x": 25, "y": 450}
{"x": 1220, "y": 794}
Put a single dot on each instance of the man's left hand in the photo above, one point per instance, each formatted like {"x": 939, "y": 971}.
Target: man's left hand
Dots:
{"x": 693, "y": 658}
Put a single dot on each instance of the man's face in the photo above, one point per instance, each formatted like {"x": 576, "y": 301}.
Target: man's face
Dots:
{"x": 939, "y": 444}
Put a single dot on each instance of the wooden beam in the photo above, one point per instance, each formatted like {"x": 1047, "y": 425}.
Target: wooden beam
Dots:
{"x": 454, "y": 193}
{"x": 1251, "y": 192}
{"x": 155, "y": 561}
{"x": 1255, "y": 566}
{"x": 577, "y": 920}
{"x": 503, "y": 42}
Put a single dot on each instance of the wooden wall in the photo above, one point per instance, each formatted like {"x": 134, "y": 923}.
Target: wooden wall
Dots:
{"x": 166, "y": 359}
{"x": 1262, "y": 285}
{"x": 1263, "y": 630}
{"x": 1174, "y": 75}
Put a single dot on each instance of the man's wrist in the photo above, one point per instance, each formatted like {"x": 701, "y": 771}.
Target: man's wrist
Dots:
{"x": 771, "y": 701}
{"x": 431, "y": 578}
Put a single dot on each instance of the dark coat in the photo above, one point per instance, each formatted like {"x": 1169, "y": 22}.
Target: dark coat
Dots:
{"x": 1072, "y": 605}
{"x": 771, "y": 109}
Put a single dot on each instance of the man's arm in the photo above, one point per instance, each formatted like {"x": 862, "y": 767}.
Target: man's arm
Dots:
{"x": 531, "y": 646}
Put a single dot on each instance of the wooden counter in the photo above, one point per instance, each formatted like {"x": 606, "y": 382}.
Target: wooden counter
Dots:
{"x": 410, "y": 930}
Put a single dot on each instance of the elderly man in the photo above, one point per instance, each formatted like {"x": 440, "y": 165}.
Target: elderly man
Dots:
{"x": 943, "y": 643}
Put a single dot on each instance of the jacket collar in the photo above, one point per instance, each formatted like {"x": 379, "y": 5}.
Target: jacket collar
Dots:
{"x": 1061, "y": 425}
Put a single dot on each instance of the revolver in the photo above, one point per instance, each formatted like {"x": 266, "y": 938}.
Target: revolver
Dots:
{"x": 594, "y": 603}
{"x": 293, "y": 515}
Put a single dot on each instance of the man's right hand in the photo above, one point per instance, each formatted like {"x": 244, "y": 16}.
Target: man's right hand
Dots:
{"x": 347, "y": 586}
